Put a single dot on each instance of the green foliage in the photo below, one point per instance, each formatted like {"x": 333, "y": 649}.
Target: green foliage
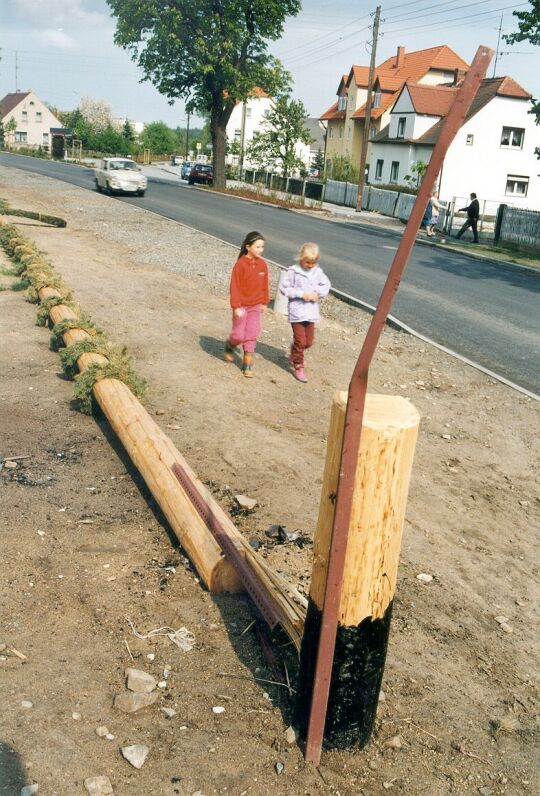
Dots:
{"x": 128, "y": 132}
{"x": 69, "y": 355}
{"x": 159, "y": 138}
{"x": 418, "y": 170}
{"x": 83, "y": 321}
{"x": 47, "y": 304}
{"x": 342, "y": 169}
{"x": 285, "y": 126}
{"x": 2, "y": 136}
{"x": 119, "y": 367}
{"x": 528, "y": 30}
{"x": 528, "y": 25}
{"x": 318, "y": 161}
{"x": 210, "y": 53}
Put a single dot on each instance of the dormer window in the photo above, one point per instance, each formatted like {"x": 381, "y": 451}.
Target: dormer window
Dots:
{"x": 401, "y": 126}
{"x": 342, "y": 103}
{"x": 377, "y": 100}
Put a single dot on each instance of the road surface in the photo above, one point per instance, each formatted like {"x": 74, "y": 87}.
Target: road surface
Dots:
{"x": 484, "y": 311}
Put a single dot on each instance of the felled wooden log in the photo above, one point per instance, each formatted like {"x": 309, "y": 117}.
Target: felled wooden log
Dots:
{"x": 154, "y": 455}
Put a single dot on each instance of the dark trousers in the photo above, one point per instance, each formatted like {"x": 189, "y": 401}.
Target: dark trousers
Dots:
{"x": 473, "y": 223}
{"x": 303, "y": 336}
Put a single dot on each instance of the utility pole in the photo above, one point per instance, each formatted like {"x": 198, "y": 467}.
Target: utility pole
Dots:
{"x": 367, "y": 119}
{"x": 187, "y": 136}
{"x": 497, "y": 50}
{"x": 242, "y": 138}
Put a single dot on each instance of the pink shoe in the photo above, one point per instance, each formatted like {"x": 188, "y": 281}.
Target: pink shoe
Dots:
{"x": 300, "y": 375}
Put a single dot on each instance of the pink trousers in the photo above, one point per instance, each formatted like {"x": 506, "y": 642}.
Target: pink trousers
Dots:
{"x": 246, "y": 329}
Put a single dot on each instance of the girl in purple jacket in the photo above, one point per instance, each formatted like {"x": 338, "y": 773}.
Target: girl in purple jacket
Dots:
{"x": 305, "y": 284}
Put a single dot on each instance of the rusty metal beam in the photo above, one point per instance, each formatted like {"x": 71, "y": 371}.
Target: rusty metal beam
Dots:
{"x": 355, "y": 407}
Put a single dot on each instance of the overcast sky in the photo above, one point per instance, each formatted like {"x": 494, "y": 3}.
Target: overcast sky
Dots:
{"x": 64, "y": 49}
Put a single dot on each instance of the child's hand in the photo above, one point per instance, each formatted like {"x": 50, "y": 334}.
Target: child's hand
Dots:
{"x": 263, "y": 309}
{"x": 239, "y": 312}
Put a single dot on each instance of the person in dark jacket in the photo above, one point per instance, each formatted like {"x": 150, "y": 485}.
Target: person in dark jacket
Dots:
{"x": 473, "y": 214}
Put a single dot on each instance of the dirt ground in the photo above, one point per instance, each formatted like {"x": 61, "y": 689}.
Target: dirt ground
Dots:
{"x": 84, "y": 548}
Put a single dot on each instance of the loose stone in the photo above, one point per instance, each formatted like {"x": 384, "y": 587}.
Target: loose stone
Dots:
{"x": 98, "y": 786}
{"x": 136, "y": 754}
{"x": 139, "y": 681}
{"x": 130, "y": 703}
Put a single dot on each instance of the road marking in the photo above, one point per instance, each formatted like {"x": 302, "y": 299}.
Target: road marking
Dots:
{"x": 394, "y": 248}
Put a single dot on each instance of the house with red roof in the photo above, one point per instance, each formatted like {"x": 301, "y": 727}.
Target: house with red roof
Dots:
{"x": 345, "y": 118}
{"x": 34, "y": 120}
{"x": 493, "y": 154}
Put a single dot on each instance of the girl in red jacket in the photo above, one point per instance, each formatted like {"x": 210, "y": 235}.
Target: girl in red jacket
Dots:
{"x": 249, "y": 297}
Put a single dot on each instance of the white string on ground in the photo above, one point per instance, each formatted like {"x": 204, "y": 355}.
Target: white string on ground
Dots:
{"x": 183, "y": 638}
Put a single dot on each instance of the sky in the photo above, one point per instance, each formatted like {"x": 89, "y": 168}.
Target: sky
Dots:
{"x": 64, "y": 49}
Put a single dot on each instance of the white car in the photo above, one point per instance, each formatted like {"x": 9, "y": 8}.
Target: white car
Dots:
{"x": 119, "y": 175}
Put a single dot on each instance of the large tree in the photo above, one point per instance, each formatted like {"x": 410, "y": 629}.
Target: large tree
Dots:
{"x": 528, "y": 30}
{"x": 208, "y": 52}
{"x": 278, "y": 142}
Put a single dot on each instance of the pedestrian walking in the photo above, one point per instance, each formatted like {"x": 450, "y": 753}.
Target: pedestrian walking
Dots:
{"x": 473, "y": 214}
{"x": 249, "y": 294}
{"x": 305, "y": 284}
{"x": 435, "y": 210}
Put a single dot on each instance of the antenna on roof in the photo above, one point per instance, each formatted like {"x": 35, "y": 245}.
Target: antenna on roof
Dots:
{"x": 497, "y": 53}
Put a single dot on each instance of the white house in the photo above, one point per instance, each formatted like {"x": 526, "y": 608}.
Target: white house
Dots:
{"x": 250, "y": 117}
{"x": 34, "y": 120}
{"x": 493, "y": 153}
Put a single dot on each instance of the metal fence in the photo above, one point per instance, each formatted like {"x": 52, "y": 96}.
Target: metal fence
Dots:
{"x": 518, "y": 228}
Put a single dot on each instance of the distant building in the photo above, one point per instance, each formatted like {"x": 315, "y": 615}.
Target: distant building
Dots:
{"x": 493, "y": 154}
{"x": 34, "y": 120}
{"x": 346, "y": 117}
{"x": 249, "y": 118}
{"x": 120, "y": 121}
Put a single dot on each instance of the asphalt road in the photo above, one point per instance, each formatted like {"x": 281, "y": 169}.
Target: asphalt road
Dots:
{"x": 484, "y": 311}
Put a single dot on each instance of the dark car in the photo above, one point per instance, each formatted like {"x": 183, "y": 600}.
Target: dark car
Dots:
{"x": 201, "y": 172}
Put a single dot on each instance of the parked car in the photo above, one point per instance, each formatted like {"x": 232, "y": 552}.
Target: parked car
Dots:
{"x": 176, "y": 160}
{"x": 185, "y": 169}
{"x": 201, "y": 172}
{"x": 119, "y": 175}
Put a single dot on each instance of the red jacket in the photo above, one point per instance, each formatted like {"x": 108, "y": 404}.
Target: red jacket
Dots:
{"x": 249, "y": 282}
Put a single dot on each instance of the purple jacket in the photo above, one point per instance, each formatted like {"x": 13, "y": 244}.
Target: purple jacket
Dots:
{"x": 298, "y": 281}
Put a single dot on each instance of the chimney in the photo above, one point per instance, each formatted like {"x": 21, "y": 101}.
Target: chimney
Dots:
{"x": 400, "y": 57}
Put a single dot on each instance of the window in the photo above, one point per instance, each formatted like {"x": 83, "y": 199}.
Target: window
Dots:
{"x": 21, "y": 136}
{"x": 38, "y": 117}
{"x": 248, "y": 113}
{"x": 45, "y": 138}
{"x": 394, "y": 171}
{"x": 373, "y": 131}
{"x": 513, "y": 137}
{"x": 378, "y": 169}
{"x": 401, "y": 126}
{"x": 340, "y": 133}
{"x": 342, "y": 103}
{"x": 349, "y": 131}
{"x": 238, "y": 134}
{"x": 516, "y": 186}
{"x": 351, "y": 101}
{"x": 330, "y": 132}
{"x": 377, "y": 100}
{"x": 470, "y": 139}
{"x": 24, "y": 115}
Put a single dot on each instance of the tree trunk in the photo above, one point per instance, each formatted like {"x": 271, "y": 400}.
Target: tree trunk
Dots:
{"x": 218, "y": 125}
